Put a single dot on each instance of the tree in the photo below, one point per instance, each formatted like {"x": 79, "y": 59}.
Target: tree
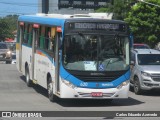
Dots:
{"x": 144, "y": 21}
{"x": 8, "y": 25}
{"x": 3, "y": 30}
{"x": 119, "y": 8}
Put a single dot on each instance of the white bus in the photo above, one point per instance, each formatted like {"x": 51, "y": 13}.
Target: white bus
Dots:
{"x": 74, "y": 57}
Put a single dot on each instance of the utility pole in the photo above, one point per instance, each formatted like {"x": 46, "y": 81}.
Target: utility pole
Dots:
{"x": 45, "y": 6}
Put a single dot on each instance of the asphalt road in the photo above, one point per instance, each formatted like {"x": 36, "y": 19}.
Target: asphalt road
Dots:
{"x": 16, "y": 96}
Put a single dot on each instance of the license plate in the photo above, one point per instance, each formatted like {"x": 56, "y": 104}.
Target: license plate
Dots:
{"x": 97, "y": 94}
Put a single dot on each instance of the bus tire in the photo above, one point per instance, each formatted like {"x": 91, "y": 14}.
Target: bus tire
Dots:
{"x": 27, "y": 76}
{"x": 51, "y": 96}
{"x": 137, "y": 88}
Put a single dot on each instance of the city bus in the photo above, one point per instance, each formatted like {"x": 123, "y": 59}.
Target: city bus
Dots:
{"x": 74, "y": 57}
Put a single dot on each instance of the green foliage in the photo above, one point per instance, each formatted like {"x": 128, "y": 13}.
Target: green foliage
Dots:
{"x": 144, "y": 21}
{"x": 103, "y": 10}
{"x": 119, "y": 8}
{"x": 8, "y": 25}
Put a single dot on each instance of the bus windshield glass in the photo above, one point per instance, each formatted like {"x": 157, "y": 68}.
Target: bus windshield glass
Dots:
{"x": 88, "y": 52}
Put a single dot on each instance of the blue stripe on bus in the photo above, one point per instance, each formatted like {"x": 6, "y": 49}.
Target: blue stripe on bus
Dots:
{"x": 77, "y": 82}
{"x": 26, "y": 45}
{"x": 46, "y": 54}
{"x": 42, "y": 20}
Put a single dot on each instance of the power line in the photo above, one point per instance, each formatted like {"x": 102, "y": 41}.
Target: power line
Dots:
{"x": 21, "y": 4}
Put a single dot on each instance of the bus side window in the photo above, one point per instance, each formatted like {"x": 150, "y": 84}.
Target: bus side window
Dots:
{"x": 47, "y": 37}
{"x": 42, "y": 37}
{"x": 52, "y": 39}
{"x": 25, "y": 38}
{"x": 30, "y": 30}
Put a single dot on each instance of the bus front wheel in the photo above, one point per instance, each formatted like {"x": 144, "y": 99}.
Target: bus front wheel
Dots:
{"x": 51, "y": 96}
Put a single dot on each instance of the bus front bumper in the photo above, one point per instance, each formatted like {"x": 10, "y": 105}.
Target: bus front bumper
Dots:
{"x": 88, "y": 93}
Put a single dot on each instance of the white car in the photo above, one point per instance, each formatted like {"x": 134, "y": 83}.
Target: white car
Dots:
{"x": 5, "y": 53}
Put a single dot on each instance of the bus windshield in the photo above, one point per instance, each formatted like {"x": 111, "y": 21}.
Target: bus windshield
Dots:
{"x": 88, "y": 52}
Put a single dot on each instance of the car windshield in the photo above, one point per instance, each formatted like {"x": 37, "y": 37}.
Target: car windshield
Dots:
{"x": 96, "y": 52}
{"x": 11, "y": 45}
{"x": 3, "y": 46}
{"x": 149, "y": 59}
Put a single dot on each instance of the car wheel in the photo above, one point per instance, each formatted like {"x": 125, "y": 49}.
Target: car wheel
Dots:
{"x": 137, "y": 88}
{"x": 51, "y": 96}
{"x": 28, "y": 81}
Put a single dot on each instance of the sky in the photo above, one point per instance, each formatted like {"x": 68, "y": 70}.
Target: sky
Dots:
{"x": 11, "y": 7}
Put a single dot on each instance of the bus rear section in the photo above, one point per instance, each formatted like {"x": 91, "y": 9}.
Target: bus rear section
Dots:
{"x": 84, "y": 58}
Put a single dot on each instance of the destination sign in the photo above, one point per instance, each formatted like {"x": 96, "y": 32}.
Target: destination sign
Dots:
{"x": 98, "y": 26}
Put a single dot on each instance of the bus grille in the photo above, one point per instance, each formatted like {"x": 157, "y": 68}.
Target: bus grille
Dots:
{"x": 97, "y": 78}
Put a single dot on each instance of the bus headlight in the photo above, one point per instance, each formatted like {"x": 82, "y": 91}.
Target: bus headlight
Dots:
{"x": 69, "y": 84}
{"x": 125, "y": 83}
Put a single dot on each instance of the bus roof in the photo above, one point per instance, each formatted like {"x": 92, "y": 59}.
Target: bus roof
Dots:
{"x": 59, "y": 19}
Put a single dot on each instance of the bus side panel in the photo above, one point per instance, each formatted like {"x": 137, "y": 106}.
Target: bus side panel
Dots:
{"x": 26, "y": 58}
{"x": 43, "y": 66}
{"x": 40, "y": 70}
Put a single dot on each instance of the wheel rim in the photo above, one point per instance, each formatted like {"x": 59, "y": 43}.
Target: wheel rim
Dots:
{"x": 27, "y": 76}
{"x": 136, "y": 85}
{"x": 50, "y": 89}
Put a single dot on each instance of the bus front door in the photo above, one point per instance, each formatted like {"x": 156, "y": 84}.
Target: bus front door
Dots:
{"x": 57, "y": 61}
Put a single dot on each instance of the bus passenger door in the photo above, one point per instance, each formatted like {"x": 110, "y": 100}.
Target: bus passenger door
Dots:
{"x": 57, "y": 61}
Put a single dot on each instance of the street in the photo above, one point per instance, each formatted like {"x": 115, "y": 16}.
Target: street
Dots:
{"x": 16, "y": 96}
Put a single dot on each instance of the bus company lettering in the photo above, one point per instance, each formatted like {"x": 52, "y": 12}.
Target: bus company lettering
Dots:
{"x": 43, "y": 63}
{"x": 107, "y": 84}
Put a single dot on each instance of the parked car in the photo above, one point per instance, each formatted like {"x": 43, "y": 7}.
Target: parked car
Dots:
{"x": 140, "y": 46}
{"x": 5, "y": 53}
{"x": 145, "y": 70}
{"x": 11, "y": 45}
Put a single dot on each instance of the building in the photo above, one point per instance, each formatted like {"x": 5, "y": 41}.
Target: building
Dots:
{"x": 71, "y": 6}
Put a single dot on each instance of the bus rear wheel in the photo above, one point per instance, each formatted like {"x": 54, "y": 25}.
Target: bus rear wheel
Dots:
{"x": 51, "y": 96}
{"x": 28, "y": 81}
